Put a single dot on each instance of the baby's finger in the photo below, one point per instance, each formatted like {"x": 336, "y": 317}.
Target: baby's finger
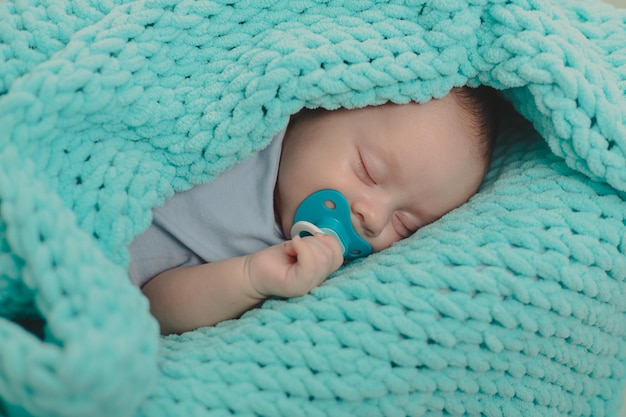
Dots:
{"x": 318, "y": 250}
{"x": 289, "y": 249}
{"x": 333, "y": 243}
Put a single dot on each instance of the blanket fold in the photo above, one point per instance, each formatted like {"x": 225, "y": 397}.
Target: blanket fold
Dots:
{"x": 512, "y": 305}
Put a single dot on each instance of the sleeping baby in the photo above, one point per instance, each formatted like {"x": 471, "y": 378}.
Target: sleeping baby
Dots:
{"x": 334, "y": 186}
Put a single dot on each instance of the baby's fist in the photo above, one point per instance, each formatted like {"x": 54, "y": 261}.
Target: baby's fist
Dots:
{"x": 294, "y": 267}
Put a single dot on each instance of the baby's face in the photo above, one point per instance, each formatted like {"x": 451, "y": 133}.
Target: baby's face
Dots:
{"x": 400, "y": 167}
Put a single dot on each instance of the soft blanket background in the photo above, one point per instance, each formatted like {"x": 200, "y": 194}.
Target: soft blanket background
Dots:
{"x": 511, "y": 305}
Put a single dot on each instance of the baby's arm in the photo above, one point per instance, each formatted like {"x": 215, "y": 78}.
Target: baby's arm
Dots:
{"x": 187, "y": 298}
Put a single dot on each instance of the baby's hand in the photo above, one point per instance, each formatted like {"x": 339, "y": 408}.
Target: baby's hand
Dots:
{"x": 294, "y": 267}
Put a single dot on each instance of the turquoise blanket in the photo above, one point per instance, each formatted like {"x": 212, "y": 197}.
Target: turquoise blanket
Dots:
{"x": 512, "y": 305}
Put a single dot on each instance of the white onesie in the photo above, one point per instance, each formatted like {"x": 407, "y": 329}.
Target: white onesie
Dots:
{"x": 232, "y": 215}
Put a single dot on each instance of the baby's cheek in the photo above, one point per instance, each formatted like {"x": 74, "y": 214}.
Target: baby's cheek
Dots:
{"x": 384, "y": 241}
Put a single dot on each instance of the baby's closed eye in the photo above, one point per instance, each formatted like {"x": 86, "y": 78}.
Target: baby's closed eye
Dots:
{"x": 403, "y": 225}
{"x": 363, "y": 172}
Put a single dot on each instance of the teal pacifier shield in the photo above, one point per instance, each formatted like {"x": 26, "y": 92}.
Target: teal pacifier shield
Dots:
{"x": 329, "y": 211}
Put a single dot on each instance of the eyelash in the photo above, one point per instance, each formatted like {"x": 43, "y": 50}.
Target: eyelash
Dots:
{"x": 408, "y": 231}
{"x": 362, "y": 169}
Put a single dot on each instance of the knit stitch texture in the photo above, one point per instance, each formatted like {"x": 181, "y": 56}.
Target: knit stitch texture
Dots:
{"x": 512, "y": 305}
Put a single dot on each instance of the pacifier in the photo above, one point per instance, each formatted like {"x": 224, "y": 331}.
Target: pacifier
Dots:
{"x": 328, "y": 212}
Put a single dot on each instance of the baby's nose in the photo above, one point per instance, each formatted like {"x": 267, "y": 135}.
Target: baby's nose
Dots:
{"x": 371, "y": 216}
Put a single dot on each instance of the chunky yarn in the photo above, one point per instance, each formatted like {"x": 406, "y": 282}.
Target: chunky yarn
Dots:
{"x": 512, "y": 305}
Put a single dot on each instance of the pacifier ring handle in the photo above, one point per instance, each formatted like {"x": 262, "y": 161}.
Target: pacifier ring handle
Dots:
{"x": 304, "y": 228}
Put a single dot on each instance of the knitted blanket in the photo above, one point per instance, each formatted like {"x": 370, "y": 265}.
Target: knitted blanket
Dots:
{"x": 512, "y": 305}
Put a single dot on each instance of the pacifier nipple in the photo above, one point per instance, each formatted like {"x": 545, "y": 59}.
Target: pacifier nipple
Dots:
{"x": 328, "y": 212}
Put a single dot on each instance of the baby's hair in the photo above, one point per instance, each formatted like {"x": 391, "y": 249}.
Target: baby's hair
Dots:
{"x": 481, "y": 105}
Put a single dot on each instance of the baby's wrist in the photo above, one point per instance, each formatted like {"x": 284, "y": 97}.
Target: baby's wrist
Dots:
{"x": 250, "y": 279}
